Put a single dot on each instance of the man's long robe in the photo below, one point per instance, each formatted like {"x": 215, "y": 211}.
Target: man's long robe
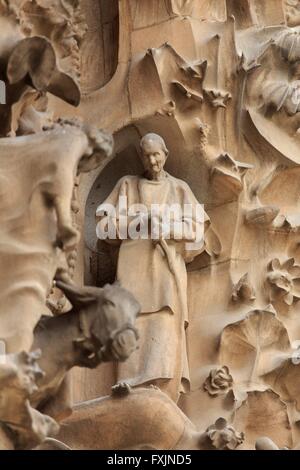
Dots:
{"x": 157, "y": 276}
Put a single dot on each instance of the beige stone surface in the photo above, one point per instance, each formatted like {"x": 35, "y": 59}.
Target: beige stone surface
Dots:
{"x": 219, "y": 82}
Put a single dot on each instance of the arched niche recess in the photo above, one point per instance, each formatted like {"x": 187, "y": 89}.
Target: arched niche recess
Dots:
{"x": 100, "y": 47}
{"x": 99, "y": 256}
{"x": 97, "y": 262}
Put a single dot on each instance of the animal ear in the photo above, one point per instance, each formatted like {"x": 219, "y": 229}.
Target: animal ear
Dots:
{"x": 35, "y": 57}
{"x": 78, "y": 296}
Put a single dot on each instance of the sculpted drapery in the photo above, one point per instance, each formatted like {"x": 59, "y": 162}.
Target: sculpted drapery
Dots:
{"x": 155, "y": 272}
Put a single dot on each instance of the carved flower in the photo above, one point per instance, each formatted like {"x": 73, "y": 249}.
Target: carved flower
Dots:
{"x": 223, "y": 436}
{"x": 218, "y": 382}
{"x": 284, "y": 280}
{"x": 218, "y": 98}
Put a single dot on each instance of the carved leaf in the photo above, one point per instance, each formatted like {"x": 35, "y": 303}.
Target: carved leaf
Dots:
{"x": 195, "y": 69}
{"x": 285, "y": 378}
{"x": 249, "y": 344}
{"x": 227, "y": 176}
{"x": 261, "y": 215}
{"x": 188, "y": 92}
{"x": 35, "y": 57}
{"x": 264, "y": 414}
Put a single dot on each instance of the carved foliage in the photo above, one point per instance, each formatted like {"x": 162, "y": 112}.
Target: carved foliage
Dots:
{"x": 292, "y": 11}
{"x": 227, "y": 176}
{"x": 217, "y": 98}
{"x": 218, "y": 382}
{"x": 62, "y": 22}
{"x": 243, "y": 290}
{"x": 284, "y": 280}
{"x": 249, "y": 344}
{"x": 223, "y": 436}
{"x": 263, "y": 413}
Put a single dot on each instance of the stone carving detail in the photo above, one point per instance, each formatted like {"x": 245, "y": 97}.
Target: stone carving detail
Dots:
{"x": 223, "y": 436}
{"x": 257, "y": 213}
{"x": 191, "y": 78}
{"x": 289, "y": 42}
{"x": 180, "y": 7}
{"x": 228, "y": 175}
{"x": 242, "y": 343}
{"x": 18, "y": 377}
{"x": 218, "y": 98}
{"x": 283, "y": 95}
{"x": 292, "y": 11}
{"x": 243, "y": 290}
{"x": 219, "y": 381}
{"x": 284, "y": 279}
{"x": 265, "y": 443}
{"x": 219, "y": 80}
{"x": 50, "y": 191}
{"x": 162, "y": 323}
{"x": 29, "y": 63}
{"x": 62, "y": 22}
{"x": 175, "y": 431}
{"x": 99, "y": 328}
{"x": 270, "y": 413}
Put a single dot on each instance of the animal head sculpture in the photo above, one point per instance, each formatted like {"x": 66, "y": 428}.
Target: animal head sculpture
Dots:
{"x": 107, "y": 318}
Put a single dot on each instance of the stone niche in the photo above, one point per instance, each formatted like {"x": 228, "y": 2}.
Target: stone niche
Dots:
{"x": 100, "y": 45}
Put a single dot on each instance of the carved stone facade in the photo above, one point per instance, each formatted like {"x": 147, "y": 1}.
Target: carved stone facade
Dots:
{"x": 219, "y": 82}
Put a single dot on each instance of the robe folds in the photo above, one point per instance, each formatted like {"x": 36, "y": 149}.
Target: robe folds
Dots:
{"x": 155, "y": 272}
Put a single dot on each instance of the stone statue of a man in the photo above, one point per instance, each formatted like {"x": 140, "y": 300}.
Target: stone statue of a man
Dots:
{"x": 151, "y": 264}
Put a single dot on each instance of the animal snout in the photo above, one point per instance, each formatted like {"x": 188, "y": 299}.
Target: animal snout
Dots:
{"x": 122, "y": 345}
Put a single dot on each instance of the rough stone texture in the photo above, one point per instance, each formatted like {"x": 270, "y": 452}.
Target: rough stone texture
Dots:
{"x": 216, "y": 99}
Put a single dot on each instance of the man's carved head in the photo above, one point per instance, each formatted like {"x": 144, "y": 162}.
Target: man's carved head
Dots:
{"x": 154, "y": 153}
